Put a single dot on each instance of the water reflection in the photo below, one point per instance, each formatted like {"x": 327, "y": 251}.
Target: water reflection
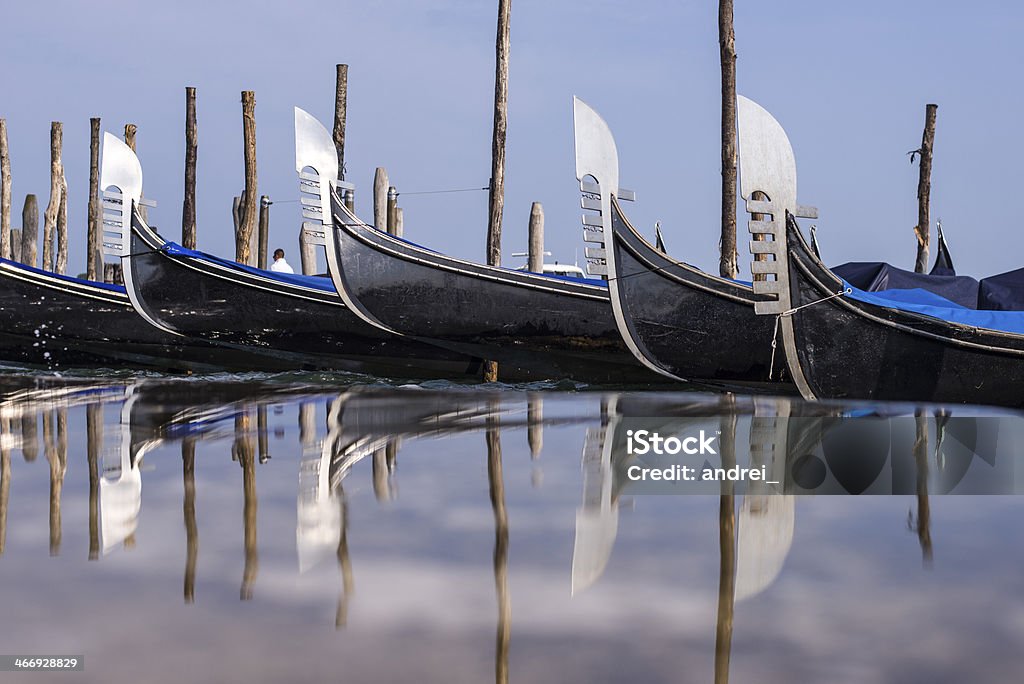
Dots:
{"x": 344, "y": 449}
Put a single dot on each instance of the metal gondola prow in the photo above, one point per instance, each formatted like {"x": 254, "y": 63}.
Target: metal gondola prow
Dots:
{"x": 768, "y": 171}
{"x": 121, "y": 185}
{"x": 314, "y": 149}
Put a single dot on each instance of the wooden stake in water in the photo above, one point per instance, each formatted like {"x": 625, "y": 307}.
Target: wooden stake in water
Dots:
{"x": 392, "y": 210}
{"x": 5, "y": 193}
{"x": 93, "y": 250}
{"x": 496, "y": 194}
{"x": 30, "y": 232}
{"x": 188, "y": 206}
{"x": 536, "y": 245}
{"x": 727, "y": 267}
{"x": 380, "y": 199}
{"x": 340, "y": 113}
{"x": 53, "y": 207}
{"x": 247, "y": 223}
{"x": 924, "y": 189}
{"x": 264, "y": 233}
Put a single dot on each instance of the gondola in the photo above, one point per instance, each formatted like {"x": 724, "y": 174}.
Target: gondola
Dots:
{"x": 535, "y": 326}
{"x": 289, "y": 321}
{"x": 677, "y": 319}
{"x": 907, "y": 344}
{"x": 57, "y": 322}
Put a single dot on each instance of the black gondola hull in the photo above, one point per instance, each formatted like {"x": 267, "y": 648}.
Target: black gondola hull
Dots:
{"x": 535, "y": 327}
{"x": 290, "y": 325}
{"x": 686, "y": 322}
{"x": 851, "y": 349}
{"x": 55, "y": 323}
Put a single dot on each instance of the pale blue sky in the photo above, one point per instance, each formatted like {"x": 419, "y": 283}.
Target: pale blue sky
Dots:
{"x": 848, "y": 81}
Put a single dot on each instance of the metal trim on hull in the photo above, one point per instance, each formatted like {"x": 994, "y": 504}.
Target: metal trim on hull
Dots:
{"x": 82, "y": 290}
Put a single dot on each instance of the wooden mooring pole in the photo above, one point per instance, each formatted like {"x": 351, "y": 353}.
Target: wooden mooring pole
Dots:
{"x": 392, "y": 210}
{"x": 496, "y": 193}
{"x": 53, "y": 207}
{"x": 264, "y": 233}
{"x": 5, "y": 193}
{"x": 93, "y": 253}
{"x": 380, "y": 199}
{"x": 340, "y": 114}
{"x": 924, "y": 189}
{"x": 535, "y": 252}
{"x": 248, "y": 209}
{"x": 727, "y": 266}
{"x": 30, "y": 231}
{"x": 188, "y": 206}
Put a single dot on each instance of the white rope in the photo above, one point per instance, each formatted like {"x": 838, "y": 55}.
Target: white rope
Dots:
{"x": 790, "y": 312}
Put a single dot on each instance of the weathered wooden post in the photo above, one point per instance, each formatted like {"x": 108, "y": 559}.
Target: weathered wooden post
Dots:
{"x": 380, "y": 199}
{"x": 392, "y": 209}
{"x": 535, "y": 259}
{"x": 340, "y": 113}
{"x": 399, "y": 222}
{"x": 924, "y": 517}
{"x": 247, "y": 223}
{"x": 188, "y": 206}
{"x": 93, "y": 250}
{"x": 496, "y": 193}
{"x": 924, "y": 189}
{"x": 130, "y": 130}
{"x": 61, "y": 260}
{"x": 53, "y": 207}
{"x": 727, "y": 52}
{"x": 264, "y": 233}
{"x": 5, "y": 193}
{"x": 30, "y": 231}
{"x": 16, "y": 244}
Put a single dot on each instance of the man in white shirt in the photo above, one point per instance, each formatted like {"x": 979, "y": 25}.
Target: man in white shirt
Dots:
{"x": 280, "y": 265}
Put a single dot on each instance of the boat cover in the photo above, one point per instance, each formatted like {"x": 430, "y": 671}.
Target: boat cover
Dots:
{"x": 876, "y": 276}
{"x": 921, "y": 301}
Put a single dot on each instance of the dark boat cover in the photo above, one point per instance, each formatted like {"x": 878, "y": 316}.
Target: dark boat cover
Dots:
{"x": 1003, "y": 292}
{"x": 878, "y": 276}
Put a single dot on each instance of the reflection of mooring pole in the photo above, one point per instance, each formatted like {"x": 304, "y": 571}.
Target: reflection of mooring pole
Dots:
{"x": 924, "y": 515}
{"x": 29, "y": 439}
{"x": 5, "y": 487}
{"x": 497, "y": 490}
{"x": 57, "y": 456}
{"x": 188, "y": 476}
{"x": 348, "y": 583}
{"x": 94, "y": 441}
{"x": 727, "y": 553}
{"x": 244, "y": 452}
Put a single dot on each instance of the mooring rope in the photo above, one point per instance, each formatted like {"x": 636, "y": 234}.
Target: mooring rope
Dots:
{"x": 790, "y": 312}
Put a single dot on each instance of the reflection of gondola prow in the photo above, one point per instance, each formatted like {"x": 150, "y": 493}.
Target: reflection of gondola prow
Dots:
{"x": 120, "y": 488}
{"x": 597, "y": 521}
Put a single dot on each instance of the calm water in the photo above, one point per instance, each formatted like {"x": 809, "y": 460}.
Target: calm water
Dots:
{"x": 288, "y": 530}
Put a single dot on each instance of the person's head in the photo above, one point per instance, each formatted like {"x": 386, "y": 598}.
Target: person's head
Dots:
{"x": 278, "y": 254}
